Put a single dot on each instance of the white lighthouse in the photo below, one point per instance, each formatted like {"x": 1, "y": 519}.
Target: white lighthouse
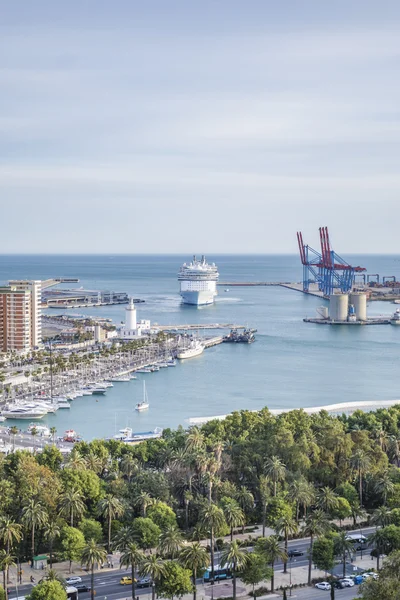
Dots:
{"x": 130, "y": 316}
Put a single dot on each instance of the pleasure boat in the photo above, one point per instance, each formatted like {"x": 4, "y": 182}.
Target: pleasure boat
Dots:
{"x": 144, "y": 405}
{"x": 131, "y": 377}
{"x": 123, "y": 433}
{"x": 194, "y": 349}
{"x": 120, "y": 378}
{"x": 136, "y": 438}
{"x": 61, "y": 402}
{"x": 20, "y": 412}
{"x": 144, "y": 370}
{"x": 172, "y": 362}
{"x": 395, "y": 320}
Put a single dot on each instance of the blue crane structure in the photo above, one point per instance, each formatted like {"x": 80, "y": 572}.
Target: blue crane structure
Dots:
{"x": 325, "y": 268}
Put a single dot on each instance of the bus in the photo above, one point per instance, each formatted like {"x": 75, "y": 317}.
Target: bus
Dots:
{"x": 219, "y": 573}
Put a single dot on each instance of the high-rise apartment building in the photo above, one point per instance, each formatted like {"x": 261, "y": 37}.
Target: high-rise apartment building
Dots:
{"x": 20, "y": 316}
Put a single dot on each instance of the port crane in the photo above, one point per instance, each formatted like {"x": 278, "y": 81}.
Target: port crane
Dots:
{"x": 326, "y": 268}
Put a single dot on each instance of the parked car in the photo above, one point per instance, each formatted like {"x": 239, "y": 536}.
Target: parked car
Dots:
{"x": 323, "y": 585}
{"x": 73, "y": 580}
{"x": 337, "y": 585}
{"x": 144, "y": 582}
{"x": 347, "y": 582}
{"x": 294, "y": 552}
{"x": 370, "y": 574}
{"x": 82, "y": 587}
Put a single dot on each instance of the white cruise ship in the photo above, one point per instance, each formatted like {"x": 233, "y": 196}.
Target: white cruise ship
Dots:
{"x": 198, "y": 282}
{"x": 194, "y": 349}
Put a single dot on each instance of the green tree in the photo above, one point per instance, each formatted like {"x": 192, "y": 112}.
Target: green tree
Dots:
{"x": 72, "y": 505}
{"x": 51, "y": 532}
{"x": 91, "y": 529}
{"x": 286, "y": 526}
{"x": 278, "y": 509}
{"x": 92, "y": 556}
{"x": 255, "y": 570}
{"x": 145, "y": 532}
{"x": 275, "y": 469}
{"x": 265, "y": 497}
{"x": 327, "y": 500}
{"x": 33, "y": 516}
{"x": 6, "y": 561}
{"x": 13, "y": 432}
{"x": 316, "y": 524}
{"x": 236, "y": 558}
{"x": 50, "y": 457}
{"x": 110, "y": 508}
{"x": 233, "y": 514}
{"x": 175, "y": 580}
{"x": 271, "y": 548}
{"x": 154, "y": 568}
{"x": 171, "y": 542}
{"x": 245, "y": 499}
{"x": 162, "y": 515}
{"x": 10, "y": 533}
{"x": 3, "y": 593}
{"x": 72, "y": 544}
{"x": 132, "y": 556}
{"x": 48, "y": 590}
{"x": 342, "y": 510}
{"x": 388, "y": 585}
{"x": 212, "y": 518}
{"x": 344, "y": 546}
{"x": 194, "y": 557}
{"x": 361, "y": 463}
{"x": 323, "y": 554}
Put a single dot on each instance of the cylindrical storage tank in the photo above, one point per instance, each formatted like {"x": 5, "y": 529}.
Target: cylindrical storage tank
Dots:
{"x": 339, "y": 307}
{"x": 322, "y": 311}
{"x": 359, "y": 300}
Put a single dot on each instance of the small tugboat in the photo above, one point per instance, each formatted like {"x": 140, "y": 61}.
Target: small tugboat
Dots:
{"x": 245, "y": 337}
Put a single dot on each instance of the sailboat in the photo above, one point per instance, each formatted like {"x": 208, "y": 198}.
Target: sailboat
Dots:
{"x": 144, "y": 405}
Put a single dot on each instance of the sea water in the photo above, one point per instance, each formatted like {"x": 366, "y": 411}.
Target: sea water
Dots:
{"x": 292, "y": 364}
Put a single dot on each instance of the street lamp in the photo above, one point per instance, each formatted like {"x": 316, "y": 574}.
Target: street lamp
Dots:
{"x": 290, "y": 575}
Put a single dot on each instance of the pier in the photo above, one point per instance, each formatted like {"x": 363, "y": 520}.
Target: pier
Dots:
{"x": 198, "y": 326}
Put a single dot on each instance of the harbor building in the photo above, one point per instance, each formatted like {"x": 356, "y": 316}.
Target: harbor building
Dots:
{"x": 20, "y": 316}
{"x": 132, "y": 328}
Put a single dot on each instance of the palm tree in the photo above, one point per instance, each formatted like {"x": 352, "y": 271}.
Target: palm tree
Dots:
{"x": 384, "y": 486}
{"x": 316, "y": 524}
{"x": 265, "y": 497}
{"x": 194, "y": 557}
{"x": 93, "y": 463}
{"x": 129, "y": 466}
{"x": 234, "y": 556}
{"x": 71, "y": 505}
{"x": 10, "y": 533}
{"x": 153, "y": 567}
{"x": 123, "y": 538}
{"x": 52, "y": 575}
{"x": 110, "y": 508}
{"x": 171, "y": 542}
{"x": 194, "y": 440}
{"x": 132, "y": 556}
{"x": 53, "y": 432}
{"x": 275, "y": 469}
{"x": 76, "y": 461}
{"x": 303, "y": 494}
{"x": 233, "y": 514}
{"x": 380, "y": 540}
{"x": 327, "y": 500}
{"x": 343, "y": 547}
{"x": 51, "y": 532}
{"x": 187, "y": 498}
{"x": 213, "y": 519}
{"x": 381, "y": 517}
{"x": 6, "y": 561}
{"x": 13, "y": 432}
{"x": 245, "y": 500}
{"x": 286, "y": 526}
{"x": 143, "y": 501}
{"x": 92, "y": 555}
{"x": 360, "y": 461}
{"x": 33, "y": 516}
{"x": 357, "y": 513}
{"x": 273, "y": 552}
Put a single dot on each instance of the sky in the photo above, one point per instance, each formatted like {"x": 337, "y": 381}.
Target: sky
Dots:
{"x": 213, "y": 126}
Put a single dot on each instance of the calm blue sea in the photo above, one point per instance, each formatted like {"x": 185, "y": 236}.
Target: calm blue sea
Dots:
{"x": 292, "y": 364}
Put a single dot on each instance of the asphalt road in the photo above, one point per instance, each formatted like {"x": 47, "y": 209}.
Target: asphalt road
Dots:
{"x": 107, "y": 583}
{"x": 314, "y": 594}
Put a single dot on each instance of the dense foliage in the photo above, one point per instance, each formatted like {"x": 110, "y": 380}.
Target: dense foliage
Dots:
{"x": 205, "y": 483}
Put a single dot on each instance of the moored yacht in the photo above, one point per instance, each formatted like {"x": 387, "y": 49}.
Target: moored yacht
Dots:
{"x": 194, "y": 349}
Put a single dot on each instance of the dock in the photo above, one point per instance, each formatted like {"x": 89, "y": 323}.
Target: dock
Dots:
{"x": 198, "y": 326}
{"x": 214, "y": 341}
{"x": 372, "y": 321}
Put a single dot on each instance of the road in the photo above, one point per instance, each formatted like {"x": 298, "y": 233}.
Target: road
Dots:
{"x": 314, "y": 594}
{"x": 107, "y": 583}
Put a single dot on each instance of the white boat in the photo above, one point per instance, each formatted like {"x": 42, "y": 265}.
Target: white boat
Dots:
{"x": 136, "y": 438}
{"x": 395, "y": 320}
{"x": 172, "y": 362}
{"x": 198, "y": 282}
{"x": 131, "y": 377}
{"x": 87, "y": 391}
{"x": 194, "y": 349}
{"x": 144, "y": 405}
{"x": 61, "y": 402}
{"x": 21, "y": 412}
{"x": 2, "y": 419}
{"x": 123, "y": 433}
{"x": 41, "y": 430}
{"x": 120, "y": 378}
{"x": 99, "y": 390}
{"x": 144, "y": 370}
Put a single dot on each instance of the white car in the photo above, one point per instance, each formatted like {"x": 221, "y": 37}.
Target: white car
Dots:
{"x": 73, "y": 580}
{"x": 371, "y": 574}
{"x": 346, "y": 582}
{"x": 324, "y": 585}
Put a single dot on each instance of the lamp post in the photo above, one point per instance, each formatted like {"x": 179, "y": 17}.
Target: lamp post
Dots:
{"x": 290, "y": 576}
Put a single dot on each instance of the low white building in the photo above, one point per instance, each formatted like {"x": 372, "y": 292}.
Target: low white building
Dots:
{"x": 133, "y": 329}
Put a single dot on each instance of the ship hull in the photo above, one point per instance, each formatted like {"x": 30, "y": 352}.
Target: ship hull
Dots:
{"x": 190, "y": 352}
{"x": 200, "y": 298}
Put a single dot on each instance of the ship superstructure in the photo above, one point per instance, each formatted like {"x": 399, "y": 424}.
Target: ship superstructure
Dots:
{"x": 198, "y": 282}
